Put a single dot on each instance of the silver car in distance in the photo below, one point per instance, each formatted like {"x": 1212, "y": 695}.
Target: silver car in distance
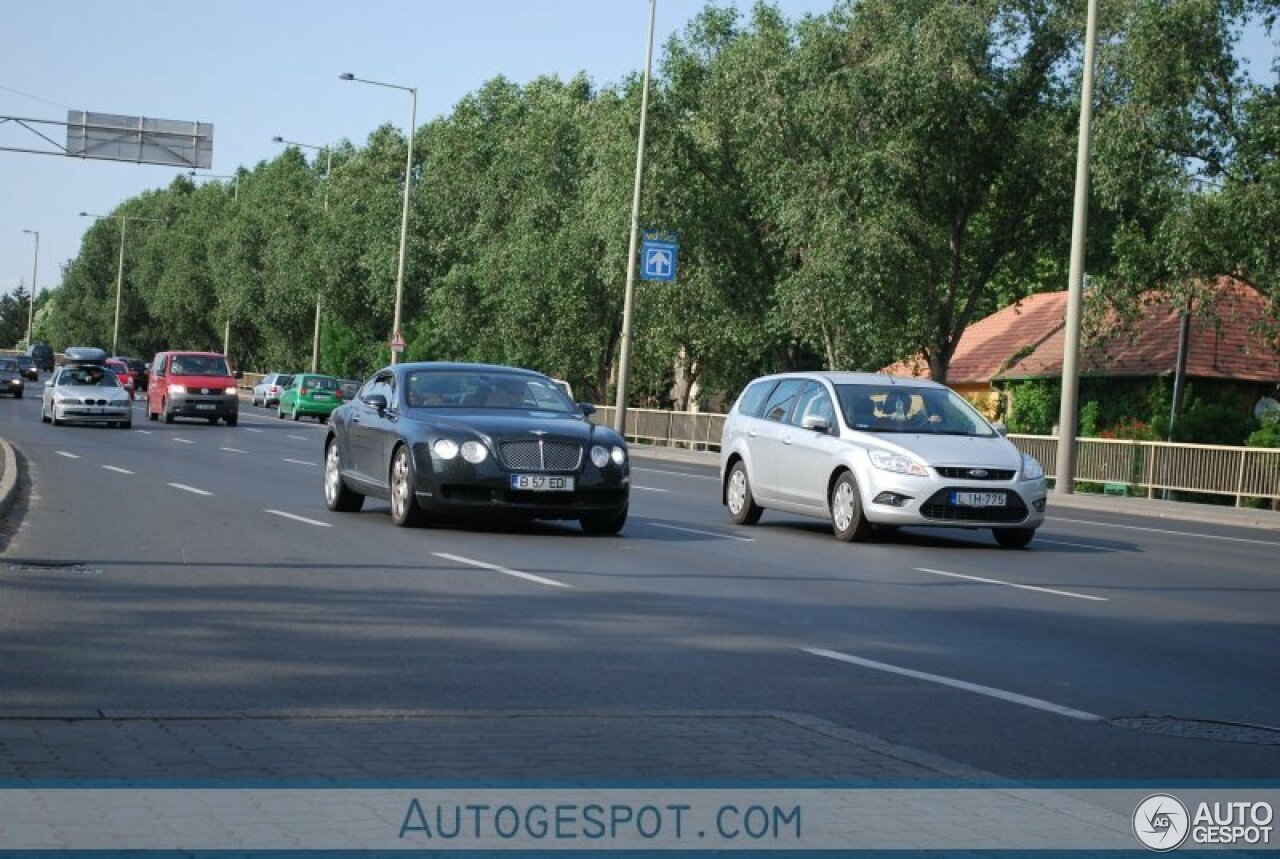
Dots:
{"x": 865, "y": 450}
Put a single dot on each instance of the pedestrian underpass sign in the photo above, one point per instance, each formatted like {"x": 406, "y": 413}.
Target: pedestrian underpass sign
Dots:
{"x": 658, "y": 256}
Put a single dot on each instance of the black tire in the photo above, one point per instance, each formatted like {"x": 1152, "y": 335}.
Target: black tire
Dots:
{"x": 742, "y": 505}
{"x": 168, "y": 415}
{"x": 233, "y": 420}
{"x": 254, "y": 401}
{"x": 337, "y": 497}
{"x": 213, "y": 421}
{"x": 1013, "y": 538}
{"x": 44, "y": 419}
{"x": 152, "y": 416}
{"x": 127, "y": 424}
{"x": 295, "y": 415}
{"x": 405, "y": 510}
{"x": 604, "y": 524}
{"x": 53, "y": 419}
{"x": 17, "y": 395}
{"x": 280, "y": 412}
{"x": 848, "y": 522}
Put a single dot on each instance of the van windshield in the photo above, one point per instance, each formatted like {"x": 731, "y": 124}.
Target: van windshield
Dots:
{"x": 199, "y": 365}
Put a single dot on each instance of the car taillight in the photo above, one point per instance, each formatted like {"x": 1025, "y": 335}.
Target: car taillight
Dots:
{"x": 303, "y": 392}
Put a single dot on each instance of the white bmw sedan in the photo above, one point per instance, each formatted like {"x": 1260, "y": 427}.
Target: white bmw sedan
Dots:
{"x": 86, "y": 394}
{"x": 863, "y": 449}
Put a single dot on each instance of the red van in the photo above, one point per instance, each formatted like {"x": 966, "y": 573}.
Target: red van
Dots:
{"x": 192, "y": 385}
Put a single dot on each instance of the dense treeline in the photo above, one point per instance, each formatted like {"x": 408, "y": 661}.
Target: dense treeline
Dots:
{"x": 847, "y": 189}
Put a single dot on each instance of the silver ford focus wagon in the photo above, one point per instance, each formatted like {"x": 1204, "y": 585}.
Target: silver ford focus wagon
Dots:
{"x": 864, "y": 449}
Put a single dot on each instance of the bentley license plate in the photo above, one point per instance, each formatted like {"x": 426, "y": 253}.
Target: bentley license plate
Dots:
{"x": 541, "y": 483}
{"x": 978, "y": 499}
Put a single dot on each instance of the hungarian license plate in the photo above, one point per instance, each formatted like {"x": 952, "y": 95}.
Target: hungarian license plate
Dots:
{"x": 206, "y": 407}
{"x": 96, "y": 411}
{"x": 321, "y": 398}
{"x": 541, "y": 483}
{"x": 978, "y": 499}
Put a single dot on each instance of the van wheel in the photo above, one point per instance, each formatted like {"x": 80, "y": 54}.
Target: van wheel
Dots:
{"x": 1013, "y": 538}
{"x": 742, "y": 505}
{"x": 847, "y": 520}
{"x": 168, "y": 415}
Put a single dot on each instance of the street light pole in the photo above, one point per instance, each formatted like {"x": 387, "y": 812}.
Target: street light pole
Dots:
{"x": 628, "y": 303}
{"x": 35, "y": 267}
{"x": 328, "y": 168}
{"x": 124, "y": 222}
{"x": 1064, "y": 475}
{"x": 404, "y": 217}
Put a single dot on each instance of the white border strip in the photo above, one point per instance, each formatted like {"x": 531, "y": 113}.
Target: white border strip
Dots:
{"x": 704, "y": 533}
{"x": 989, "y": 691}
{"x": 985, "y": 581}
{"x": 1169, "y": 530}
{"x": 505, "y": 571}
{"x": 185, "y": 488}
{"x": 298, "y": 518}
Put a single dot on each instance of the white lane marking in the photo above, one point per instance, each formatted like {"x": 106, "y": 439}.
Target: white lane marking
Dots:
{"x": 190, "y": 489}
{"x": 183, "y": 440}
{"x": 1040, "y": 540}
{"x": 1170, "y": 531}
{"x": 703, "y": 533}
{"x": 297, "y": 518}
{"x": 231, "y": 449}
{"x": 251, "y": 429}
{"x": 144, "y": 432}
{"x": 67, "y": 455}
{"x": 504, "y": 570}
{"x": 1012, "y": 585}
{"x": 990, "y": 691}
{"x": 117, "y": 469}
{"x": 299, "y": 437}
{"x": 299, "y": 461}
{"x": 648, "y": 470}
{"x": 648, "y": 489}
{"x": 247, "y": 421}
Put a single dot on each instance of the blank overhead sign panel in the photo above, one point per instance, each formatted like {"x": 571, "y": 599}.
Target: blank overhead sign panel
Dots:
{"x": 112, "y": 137}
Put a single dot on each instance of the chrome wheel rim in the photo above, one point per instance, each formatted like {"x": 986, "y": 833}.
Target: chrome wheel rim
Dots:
{"x": 400, "y": 485}
{"x": 842, "y": 506}
{"x": 737, "y": 491}
{"x": 332, "y": 475}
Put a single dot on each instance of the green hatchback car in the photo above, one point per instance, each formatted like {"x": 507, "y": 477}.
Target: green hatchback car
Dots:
{"x": 309, "y": 394}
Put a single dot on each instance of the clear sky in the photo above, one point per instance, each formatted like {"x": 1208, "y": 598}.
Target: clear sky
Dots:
{"x": 260, "y": 68}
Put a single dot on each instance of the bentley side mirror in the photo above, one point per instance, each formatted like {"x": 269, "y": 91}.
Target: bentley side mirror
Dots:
{"x": 376, "y": 401}
{"x": 587, "y": 409}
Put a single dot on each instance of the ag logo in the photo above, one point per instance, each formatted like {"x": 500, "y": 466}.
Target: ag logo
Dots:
{"x": 1160, "y": 821}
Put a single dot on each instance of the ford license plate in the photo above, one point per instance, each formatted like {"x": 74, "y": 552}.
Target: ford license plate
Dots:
{"x": 541, "y": 483}
{"x": 978, "y": 499}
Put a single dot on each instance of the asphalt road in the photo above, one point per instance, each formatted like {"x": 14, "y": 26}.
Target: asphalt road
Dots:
{"x": 192, "y": 571}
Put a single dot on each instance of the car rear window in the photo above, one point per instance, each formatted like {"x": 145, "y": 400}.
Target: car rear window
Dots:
{"x": 320, "y": 383}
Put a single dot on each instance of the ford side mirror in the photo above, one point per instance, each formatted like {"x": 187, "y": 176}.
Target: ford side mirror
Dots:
{"x": 817, "y": 423}
{"x": 587, "y": 409}
{"x": 376, "y": 401}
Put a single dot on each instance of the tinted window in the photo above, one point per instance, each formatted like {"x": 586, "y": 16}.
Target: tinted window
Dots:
{"x": 486, "y": 390}
{"x": 199, "y": 365}
{"x": 752, "y": 402}
{"x": 779, "y": 403}
{"x": 383, "y": 385}
{"x": 8, "y": 365}
{"x": 320, "y": 383}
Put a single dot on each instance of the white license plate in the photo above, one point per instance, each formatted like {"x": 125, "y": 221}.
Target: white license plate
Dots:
{"x": 96, "y": 411}
{"x": 978, "y": 499}
{"x": 208, "y": 407}
{"x": 541, "y": 483}
{"x": 320, "y": 397}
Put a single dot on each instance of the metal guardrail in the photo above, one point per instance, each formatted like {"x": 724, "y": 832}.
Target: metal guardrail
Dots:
{"x": 1149, "y": 467}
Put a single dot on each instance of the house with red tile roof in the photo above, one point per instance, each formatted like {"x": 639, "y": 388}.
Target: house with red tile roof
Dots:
{"x": 1026, "y": 340}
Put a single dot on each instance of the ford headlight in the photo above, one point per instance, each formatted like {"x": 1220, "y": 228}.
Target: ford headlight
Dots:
{"x": 618, "y": 455}
{"x": 445, "y": 448}
{"x": 1031, "y": 468}
{"x": 473, "y": 452}
{"x": 897, "y": 462}
{"x": 599, "y": 456}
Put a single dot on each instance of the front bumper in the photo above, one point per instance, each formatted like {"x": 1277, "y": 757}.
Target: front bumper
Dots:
{"x": 72, "y": 413}
{"x": 461, "y": 488}
{"x": 191, "y": 405}
{"x": 893, "y": 499}
{"x": 16, "y": 386}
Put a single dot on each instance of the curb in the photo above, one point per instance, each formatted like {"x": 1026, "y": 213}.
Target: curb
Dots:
{"x": 8, "y": 476}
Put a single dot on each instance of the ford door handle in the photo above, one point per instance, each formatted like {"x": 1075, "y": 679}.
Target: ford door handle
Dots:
{"x": 786, "y": 439}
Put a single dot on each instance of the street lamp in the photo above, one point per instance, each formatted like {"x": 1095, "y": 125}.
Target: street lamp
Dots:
{"x": 124, "y": 222}
{"x": 628, "y": 304}
{"x": 234, "y": 177}
{"x": 404, "y": 217}
{"x": 35, "y": 266}
{"x": 328, "y": 168}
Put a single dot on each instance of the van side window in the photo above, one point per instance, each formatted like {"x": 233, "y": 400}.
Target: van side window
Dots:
{"x": 159, "y": 368}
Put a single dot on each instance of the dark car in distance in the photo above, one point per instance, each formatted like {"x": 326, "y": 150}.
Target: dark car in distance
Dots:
{"x": 27, "y": 367}
{"x": 11, "y": 378}
{"x": 42, "y": 354}
{"x": 475, "y": 440}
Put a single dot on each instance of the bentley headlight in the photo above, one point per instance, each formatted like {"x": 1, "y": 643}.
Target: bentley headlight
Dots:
{"x": 618, "y": 455}
{"x": 473, "y": 452}
{"x": 445, "y": 448}
{"x": 1031, "y": 468}
{"x": 599, "y": 456}
{"x": 897, "y": 462}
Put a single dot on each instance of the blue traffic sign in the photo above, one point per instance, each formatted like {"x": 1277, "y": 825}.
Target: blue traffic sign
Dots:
{"x": 658, "y": 258}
